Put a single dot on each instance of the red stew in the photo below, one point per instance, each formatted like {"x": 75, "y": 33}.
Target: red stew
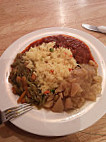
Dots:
{"x": 80, "y": 50}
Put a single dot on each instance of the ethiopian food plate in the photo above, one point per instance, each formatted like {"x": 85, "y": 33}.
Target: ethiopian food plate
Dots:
{"x": 57, "y": 73}
{"x": 61, "y": 72}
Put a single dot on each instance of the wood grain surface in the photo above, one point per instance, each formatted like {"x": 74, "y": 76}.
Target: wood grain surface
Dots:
{"x": 19, "y": 17}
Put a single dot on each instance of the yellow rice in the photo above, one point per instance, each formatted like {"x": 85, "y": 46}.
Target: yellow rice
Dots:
{"x": 42, "y": 61}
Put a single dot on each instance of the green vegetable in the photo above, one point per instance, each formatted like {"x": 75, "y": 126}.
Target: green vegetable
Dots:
{"x": 51, "y": 49}
{"x": 53, "y": 91}
{"x": 21, "y": 80}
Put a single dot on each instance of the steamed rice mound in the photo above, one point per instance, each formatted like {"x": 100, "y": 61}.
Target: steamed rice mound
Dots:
{"x": 50, "y": 65}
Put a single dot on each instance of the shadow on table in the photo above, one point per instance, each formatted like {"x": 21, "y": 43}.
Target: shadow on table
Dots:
{"x": 8, "y": 130}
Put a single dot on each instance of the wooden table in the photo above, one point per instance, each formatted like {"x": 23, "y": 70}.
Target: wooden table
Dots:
{"x": 19, "y": 17}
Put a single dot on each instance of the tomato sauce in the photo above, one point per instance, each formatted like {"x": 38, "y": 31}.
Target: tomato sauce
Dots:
{"x": 80, "y": 50}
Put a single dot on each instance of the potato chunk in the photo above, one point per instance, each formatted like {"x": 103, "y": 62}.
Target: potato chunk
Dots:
{"x": 68, "y": 104}
{"x": 58, "y": 106}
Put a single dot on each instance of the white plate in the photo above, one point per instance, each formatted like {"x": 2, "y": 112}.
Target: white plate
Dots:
{"x": 44, "y": 122}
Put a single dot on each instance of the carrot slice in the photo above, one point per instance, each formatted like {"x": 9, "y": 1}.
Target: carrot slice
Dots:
{"x": 29, "y": 96}
{"x": 33, "y": 77}
{"x": 52, "y": 71}
{"x": 47, "y": 92}
{"x": 65, "y": 53}
{"x": 21, "y": 97}
{"x": 24, "y": 83}
{"x": 18, "y": 79}
{"x": 70, "y": 69}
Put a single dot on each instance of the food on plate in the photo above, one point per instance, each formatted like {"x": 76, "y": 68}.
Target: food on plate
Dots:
{"x": 57, "y": 73}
